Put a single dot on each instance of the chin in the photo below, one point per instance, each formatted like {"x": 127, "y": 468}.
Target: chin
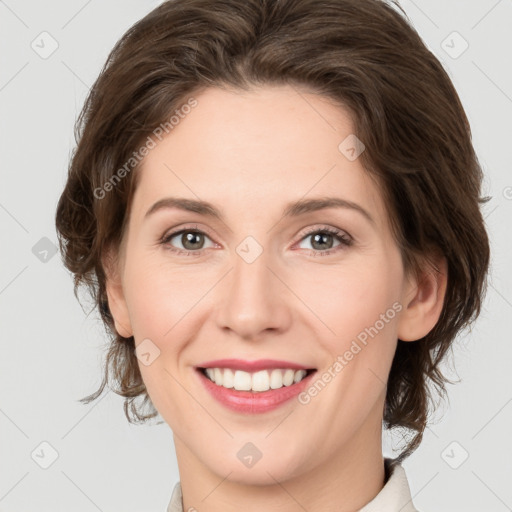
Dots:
{"x": 262, "y": 473}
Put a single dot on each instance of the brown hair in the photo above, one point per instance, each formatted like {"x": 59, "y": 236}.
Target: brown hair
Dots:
{"x": 362, "y": 54}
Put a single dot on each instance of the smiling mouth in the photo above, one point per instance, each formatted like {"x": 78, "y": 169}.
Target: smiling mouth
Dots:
{"x": 258, "y": 381}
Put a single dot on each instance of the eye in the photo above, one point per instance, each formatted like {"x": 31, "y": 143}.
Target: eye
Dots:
{"x": 189, "y": 240}
{"x": 322, "y": 239}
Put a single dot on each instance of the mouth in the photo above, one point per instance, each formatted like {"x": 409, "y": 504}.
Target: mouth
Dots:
{"x": 253, "y": 386}
{"x": 257, "y": 382}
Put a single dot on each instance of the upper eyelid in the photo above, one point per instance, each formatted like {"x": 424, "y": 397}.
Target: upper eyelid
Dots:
{"x": 178, "y": 230}
{"x": 325, "y": 227}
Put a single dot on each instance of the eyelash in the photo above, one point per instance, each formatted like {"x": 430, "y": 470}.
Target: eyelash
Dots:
{"x": 344, "y": 239}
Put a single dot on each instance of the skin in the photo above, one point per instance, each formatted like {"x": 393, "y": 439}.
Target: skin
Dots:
{"x": 250, "y": 154}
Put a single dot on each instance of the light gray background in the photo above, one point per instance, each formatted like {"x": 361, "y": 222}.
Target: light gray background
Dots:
{"x": 51, "y": 352}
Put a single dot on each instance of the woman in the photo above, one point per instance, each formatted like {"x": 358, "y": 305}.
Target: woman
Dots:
{"x": 275, "y": 205}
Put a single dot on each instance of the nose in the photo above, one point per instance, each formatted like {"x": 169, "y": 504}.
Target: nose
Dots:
{"x": 253, "y": 299}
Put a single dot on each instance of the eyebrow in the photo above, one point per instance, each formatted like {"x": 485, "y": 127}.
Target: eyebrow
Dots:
{"x": 294, "y": 209}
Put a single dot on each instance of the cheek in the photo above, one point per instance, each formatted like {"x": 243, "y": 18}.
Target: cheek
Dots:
{"x": 159, "y": 296}
{"x": 348, "y": 300}
{"x": 362, "y": 309}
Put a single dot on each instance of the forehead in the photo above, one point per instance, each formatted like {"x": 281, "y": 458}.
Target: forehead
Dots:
{"x": 248, "y": 149}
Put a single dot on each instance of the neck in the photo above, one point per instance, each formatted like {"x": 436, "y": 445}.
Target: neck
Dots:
{"x": 349, "y": 479}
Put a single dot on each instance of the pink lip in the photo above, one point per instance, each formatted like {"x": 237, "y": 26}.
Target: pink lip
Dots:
{"x": 251, "y": 402}
{"x": 251, "y": 366}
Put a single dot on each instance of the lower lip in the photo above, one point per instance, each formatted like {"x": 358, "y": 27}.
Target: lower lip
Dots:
{"x": 250, "y": 401}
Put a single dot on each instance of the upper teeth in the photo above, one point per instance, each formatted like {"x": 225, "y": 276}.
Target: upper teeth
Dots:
{"x": 258, "y": 381}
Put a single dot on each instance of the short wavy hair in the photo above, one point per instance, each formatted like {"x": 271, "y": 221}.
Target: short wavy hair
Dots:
{"x": 366, "y": 57}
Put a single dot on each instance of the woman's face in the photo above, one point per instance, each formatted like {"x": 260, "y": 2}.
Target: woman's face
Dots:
{"x": 253, "y": 278}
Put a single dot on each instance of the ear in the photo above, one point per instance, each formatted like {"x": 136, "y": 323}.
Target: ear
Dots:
{"x": 115, "y": 294}
{"x": 423, "y": 300}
